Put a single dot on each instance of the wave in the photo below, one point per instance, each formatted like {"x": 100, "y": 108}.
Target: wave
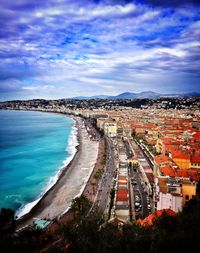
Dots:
{"x": 71, "y": 149}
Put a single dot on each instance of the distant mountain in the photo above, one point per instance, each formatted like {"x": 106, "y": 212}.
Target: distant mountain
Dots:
{"x": 141, "y": 95}
{"x": 92, "y": 97}
{"x": 147, "y": 94}
{"x": 125, "y": 95}
{"x": 182, "y": 95}
{"x": 130, "y": 95}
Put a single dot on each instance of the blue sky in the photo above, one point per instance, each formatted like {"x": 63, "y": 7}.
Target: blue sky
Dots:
{"x": 61, "y": 48}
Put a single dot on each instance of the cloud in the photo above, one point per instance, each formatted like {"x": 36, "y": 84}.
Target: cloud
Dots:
{"x": 10, "y": 87}
{"x": 94, "y": 46}
{"x": 173, "y": 3}
{"x": 37, "y": 88}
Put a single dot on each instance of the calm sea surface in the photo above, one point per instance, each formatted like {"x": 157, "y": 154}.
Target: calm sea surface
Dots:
{"x": 33, "y": 148}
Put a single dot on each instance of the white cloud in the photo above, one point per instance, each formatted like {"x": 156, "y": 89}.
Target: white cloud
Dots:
{"x": 97, "y": 45}
{"x": 37, "y": 88}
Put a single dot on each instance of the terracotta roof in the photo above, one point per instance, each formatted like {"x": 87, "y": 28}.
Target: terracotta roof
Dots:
{"x": 171, "y": 141}
{"x": 149, "y": 221}
{"x": 192, "y": 174}
{"x": 168, "y": 170}
{"x": 166, "y": 140}
{"x": 196, "y": 136}
{"x": 195, "y": 159}
{"x": 161, "y": 159}
{"x": 180, "y": 155}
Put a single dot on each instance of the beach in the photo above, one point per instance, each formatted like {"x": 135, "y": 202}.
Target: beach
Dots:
{"x": 71, "y": 182}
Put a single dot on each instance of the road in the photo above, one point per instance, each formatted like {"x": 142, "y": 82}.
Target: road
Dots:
{"x": 93, "y": 133}
{"x": 105, "y": 185}
{"x": 140, "y": 189}
{"x": 140, "y": 201}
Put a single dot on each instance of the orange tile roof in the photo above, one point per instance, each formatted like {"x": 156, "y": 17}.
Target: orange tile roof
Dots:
{"x": 171, "y": 141}
{"x": 168, "y": 171}
{"x": 149, "y": 221}
{"x": 166, "y": 140}
{"x": 196, "y": 136}
{"x": 188, "y": 174}
{"x": 180, "y": 155}
{"x": 195, "y": 159}
{"x": 161, "y": 159}
{"x": 171, "y": 147}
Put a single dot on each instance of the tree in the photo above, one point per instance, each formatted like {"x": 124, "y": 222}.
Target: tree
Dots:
{"x": 7, "y": 221}
{"x": 198, "y": 189}
{"x": 80, "y": 206}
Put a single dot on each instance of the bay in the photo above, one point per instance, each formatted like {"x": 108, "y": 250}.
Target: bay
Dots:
{"x": 34, "y": 146}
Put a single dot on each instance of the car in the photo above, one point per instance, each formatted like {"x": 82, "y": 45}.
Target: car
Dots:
{"x": 133, "y": 181}
{"x": 137, "y": 209}
{"x": 137, "y": 197}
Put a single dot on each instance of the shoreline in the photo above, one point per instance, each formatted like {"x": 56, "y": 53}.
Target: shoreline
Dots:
{"x": 48, "y": 205}
{"x": 56, "y": 177}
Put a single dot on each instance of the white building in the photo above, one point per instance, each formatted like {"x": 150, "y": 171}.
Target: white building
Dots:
{"x": 167, "y": 194}
{"x": 170, "y": 201}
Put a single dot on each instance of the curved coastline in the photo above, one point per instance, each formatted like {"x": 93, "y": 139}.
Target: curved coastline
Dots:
{"x": 72, "y": 148}
{"x": 41, "y": 208}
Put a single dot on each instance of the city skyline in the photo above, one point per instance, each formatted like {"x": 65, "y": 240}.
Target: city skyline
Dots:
{"x": 63, "y": 48}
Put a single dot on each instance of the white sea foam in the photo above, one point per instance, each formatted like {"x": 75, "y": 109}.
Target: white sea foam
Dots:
{"x": 71, "y": 148}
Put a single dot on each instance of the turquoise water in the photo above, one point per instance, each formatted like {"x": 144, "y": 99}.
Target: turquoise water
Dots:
{"x": 33, "y": 148}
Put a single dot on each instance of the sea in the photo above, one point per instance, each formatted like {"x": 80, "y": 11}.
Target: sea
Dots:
{"x": 34, "y": 148}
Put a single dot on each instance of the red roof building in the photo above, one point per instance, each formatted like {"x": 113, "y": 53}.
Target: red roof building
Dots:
{"x": 149, "y": 221}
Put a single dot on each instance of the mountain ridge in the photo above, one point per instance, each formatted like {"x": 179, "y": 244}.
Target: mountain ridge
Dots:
{"x": 140, "y": 95}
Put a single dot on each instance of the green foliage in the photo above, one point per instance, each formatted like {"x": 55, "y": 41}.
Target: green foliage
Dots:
{"x": 112, "y": 196}
{"x": 104, "y": 157}
{"x": 80, "y": 207}
{"x": 27, "y": 241}
{"x": 83, "y": 236}
{"x": 198, "y": 189}
{"x": 98, "y": 174}
{"x": 169, "y": 233}
{"x": 7, "y": 221}
{"x": 90, "y": 233}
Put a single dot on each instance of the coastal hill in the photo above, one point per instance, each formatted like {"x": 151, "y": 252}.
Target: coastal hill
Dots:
{"x": 141, "y": 95}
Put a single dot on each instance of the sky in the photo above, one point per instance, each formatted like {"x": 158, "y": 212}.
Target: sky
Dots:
{"x": 64, "y": 48}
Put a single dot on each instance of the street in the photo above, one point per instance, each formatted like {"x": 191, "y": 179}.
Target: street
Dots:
{"x": 140, "y": 201}
{"x": 105, "y": 185}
